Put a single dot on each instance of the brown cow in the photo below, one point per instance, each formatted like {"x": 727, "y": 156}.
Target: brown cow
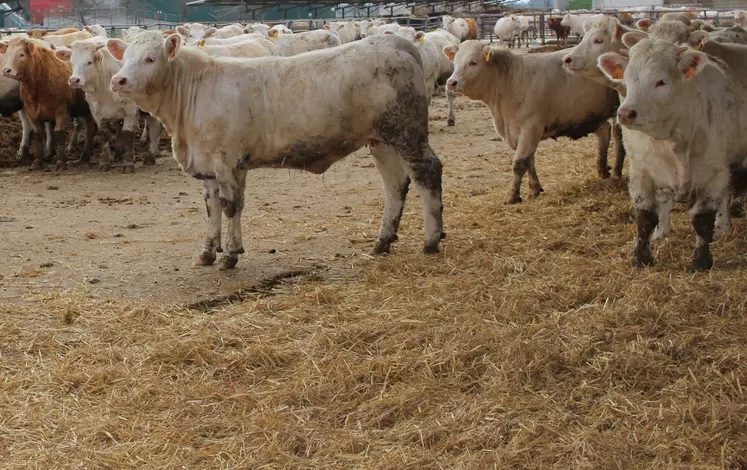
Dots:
{"x": 46, "y": 95}
{"x": 561, "y": 31}
{"x": 472, "y": 33}
{"x": 40, "y": 33}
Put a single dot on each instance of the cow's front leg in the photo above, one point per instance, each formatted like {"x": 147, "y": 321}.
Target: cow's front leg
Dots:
{"x": 617, "y": 138}
{"x": 154, "y": 134}
{"x": 664, "y": 204}
{"x": 24, "y": 152}
{"x": 49, "y": 148}
{"x": 643, "y": 196}
{"x": 529, "y": 138}
{"x": 211, "y": 193}
{"x": 60, "y": 136}
{"x": 73, "y": 144}
{"x": 450, "y": 101}
{"x": 603, "y": 141}
{"x": 91, "y": 128}
{"x": 231, "y": 184}
{"x": 127, "y": 140}
{"x": 106, "y": 152}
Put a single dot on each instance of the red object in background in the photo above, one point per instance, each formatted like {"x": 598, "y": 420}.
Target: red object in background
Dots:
{"x": 41, "y": 8}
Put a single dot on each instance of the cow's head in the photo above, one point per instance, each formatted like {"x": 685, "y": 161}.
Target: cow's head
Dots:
{"x": 85, "y": 58}
{"x": 19, "y": 52}
{"x": 195, "y": 33}
{"x": 146, "y": 63}
{"x": 655, "y": 74}
{"x": 471, "y": 59}
{"x": 603, "y": 36}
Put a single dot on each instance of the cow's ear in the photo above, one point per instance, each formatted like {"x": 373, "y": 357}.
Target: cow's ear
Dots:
{"x": 63, "y": 54}
{"x": 613, "y": 65}
{"x": 326, "y": 26}
{"x": 698, "y": 39}
{"x": 450, "y": 51}
{"x": 587, "y": 27}
{"x": 488, "y": 53}
{"x": 644, "y": 24}
{"x": 3, "y": 47}
{"x": 420, "y": 37}
{"x": 182, "y": 30}
{"x": 116, "y": 48}
{"x": 210, "y": 31}
{"x": 173, "y": 43}
{"x": 632, "y": 38}
{"x": 617, "y": 29}
{"x": 690, "y": 62}
{"x": 273, "y": 33}
{"x": 87, "y": 28}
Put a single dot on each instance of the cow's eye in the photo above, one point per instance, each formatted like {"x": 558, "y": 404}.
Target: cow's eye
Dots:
{"x": 472, "y": 62}
{"x": 598, "y": 41}
{"x": 90, "y": 62}
{"x": 150, "y": 60}
{"x": 660, "y": 84}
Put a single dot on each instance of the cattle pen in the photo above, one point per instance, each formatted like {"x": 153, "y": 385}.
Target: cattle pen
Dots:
{"x": 529, "y": 341}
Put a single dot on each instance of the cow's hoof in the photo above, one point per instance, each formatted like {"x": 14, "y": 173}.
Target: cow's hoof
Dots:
{"x": 105, "y": 167}
{"x": 61, "y": 166}
{"x": 604, "y": 173}
{"x": 37, "y": 165}
{"x": 514, "y": 200}
{"x": 228, "y": 261}
{"x": 451, "y": 122}
{"x": 149, "y": 160}
{"x": 128, "y": 168}
{"x": 382, "y": 247}
{"x": 24, "y": 155}
{"x": 660, "y": 233}
{"x": 432, "y": 248}
{"x": 206, "y": 258}
{"x": 536, "y": 192}
{"x": 642, "y": 257}
{"x": 702, "y": 259}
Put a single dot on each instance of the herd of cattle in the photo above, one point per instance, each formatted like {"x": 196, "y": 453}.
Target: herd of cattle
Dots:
{"x": 670, "y": 93}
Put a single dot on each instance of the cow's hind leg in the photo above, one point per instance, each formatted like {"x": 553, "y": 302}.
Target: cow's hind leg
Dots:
{"x": 643, "y": 196}
{"x": 603, "y": 139}
{"x": 231, "y": 185}
{"x": 211, "y": 193}
{"x": 49, "y": 148}
{"x": 39, "y": 146}
{"x": 710, "y": 200}
{"x": 617, "y": 138}
{"x": 396, "y": 183}
{"x": 426, "y": 172}
{"x": 127, "y": 140}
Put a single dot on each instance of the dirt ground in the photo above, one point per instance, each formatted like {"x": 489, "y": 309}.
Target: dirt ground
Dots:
{"x": 529, "y": 342}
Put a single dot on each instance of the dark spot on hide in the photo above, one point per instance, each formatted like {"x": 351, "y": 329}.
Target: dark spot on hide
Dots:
{"x": 574, "y": 130}
{"x": 229, "y": 207}
{"x": 315, "y": 155}
{"x": 738, "y": 179}
{"x": 243, "y": 163}
{"x": 203, "y": 176}
{"x": 403, "y": 124}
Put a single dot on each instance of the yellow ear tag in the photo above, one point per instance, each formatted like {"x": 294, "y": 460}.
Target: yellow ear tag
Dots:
{"x": 201, "y": 44}
{"x": 618, "y": 73}
{"x": 699, "y": 46}
{"x": 421, "y": 39}
{"x": 488, "y": 55}
{"x": 690, "y": 73}
{"x": 274, "y": 34}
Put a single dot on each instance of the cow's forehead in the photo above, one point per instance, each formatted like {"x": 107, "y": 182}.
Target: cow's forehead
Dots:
{"x": 146, "y": 43}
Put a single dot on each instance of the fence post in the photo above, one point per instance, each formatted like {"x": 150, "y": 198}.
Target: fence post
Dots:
{"x": 480, "y": 33}
{"x": 542, "y": 28}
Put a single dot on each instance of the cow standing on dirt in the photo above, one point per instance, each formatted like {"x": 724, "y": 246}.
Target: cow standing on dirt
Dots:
{"x": 532, "y": 98}
{"x": 46, "y": 96}
{"x": 227, "y": 116}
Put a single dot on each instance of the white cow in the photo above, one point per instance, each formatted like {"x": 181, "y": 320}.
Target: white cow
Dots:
{"x": 66, "y": 39}
{"x": 129, "y": 34}
{"x": 576, "y": 22}
{"x": 96, "y": 30}
{"x": 670, "y": 94}
{"x": 306, "y": 112}
{"x": 281, "y": 29}
{"x": 383, "y": 29}
{"x": 531, "y": 98}
{"x": 435, "y": 64}
{"x": 92, "y": 70}
{"x": 347, "y": 31}
{"x": 365, "y": 26}
{"x": 196, "y": 32}
{"x": 233, "y": 40}
{"x": 256, "y": 47}
{"x": 256, "y": 28}
{"x": 506, "y": 29}
{"x": 293, "y": 44}
{"x": 462, "y": 28}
